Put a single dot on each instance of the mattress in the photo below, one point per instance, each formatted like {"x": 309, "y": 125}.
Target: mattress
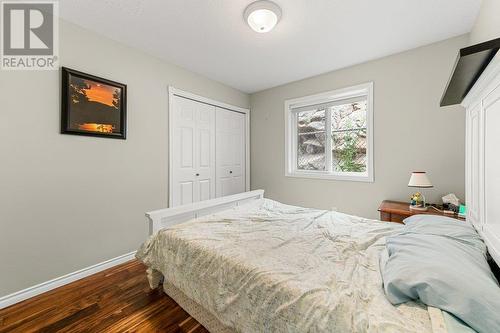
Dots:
{"x": 269, "y": 267}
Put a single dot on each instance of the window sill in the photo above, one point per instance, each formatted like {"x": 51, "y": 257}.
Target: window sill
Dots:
{"x": 353, "y": 177}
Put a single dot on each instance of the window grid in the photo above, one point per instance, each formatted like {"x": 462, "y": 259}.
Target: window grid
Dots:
{"x": 357, "y": 138}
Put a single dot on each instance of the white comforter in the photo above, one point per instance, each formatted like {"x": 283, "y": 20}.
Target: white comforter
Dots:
{"x": 269, "y": 267}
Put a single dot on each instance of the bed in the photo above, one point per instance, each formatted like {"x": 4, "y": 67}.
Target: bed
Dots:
{"x": 248, "y": 264}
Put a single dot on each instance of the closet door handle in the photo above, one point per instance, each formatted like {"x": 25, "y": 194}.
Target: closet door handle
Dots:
{"x": 230, "y": 171}
{"x": 197, "y": 174}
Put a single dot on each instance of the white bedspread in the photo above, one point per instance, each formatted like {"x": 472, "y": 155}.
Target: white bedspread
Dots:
{"x": 269, "y": 267}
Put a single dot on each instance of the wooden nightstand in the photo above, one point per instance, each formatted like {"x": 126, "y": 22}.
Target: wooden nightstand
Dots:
{"x": 396, "y": 211}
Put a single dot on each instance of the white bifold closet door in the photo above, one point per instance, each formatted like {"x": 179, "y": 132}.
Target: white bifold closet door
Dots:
{"x": 230, "y": 152}
{"x": 193, "y": 155}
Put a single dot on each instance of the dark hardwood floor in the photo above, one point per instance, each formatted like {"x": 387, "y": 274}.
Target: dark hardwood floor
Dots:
{"x": 116, "y": 300}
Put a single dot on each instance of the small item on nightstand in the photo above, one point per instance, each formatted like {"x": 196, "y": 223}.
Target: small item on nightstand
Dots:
{"x": 462, "y": 211}
{"x": 417, "y": 201}
{"x": 451, "y": 199}
{"x": 419, "y": 179}
{"x": 451, "y": 204}
{"x": 451, "y": 207}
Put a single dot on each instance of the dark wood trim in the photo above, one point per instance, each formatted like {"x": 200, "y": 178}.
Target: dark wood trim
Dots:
{"x": 65, "y": 73}
{"x": 491, "y": 44}
{"x": 495, "y": 269}
{"x": 469, "y": 65}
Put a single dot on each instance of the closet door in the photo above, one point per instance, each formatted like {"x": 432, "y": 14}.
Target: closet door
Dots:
{"x": 193, "y": 151}
{"x": 230, "y": 155}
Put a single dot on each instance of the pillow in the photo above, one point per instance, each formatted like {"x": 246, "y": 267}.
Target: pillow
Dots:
{"x": 446, "y": 227}
{"x": 442, "y": 262}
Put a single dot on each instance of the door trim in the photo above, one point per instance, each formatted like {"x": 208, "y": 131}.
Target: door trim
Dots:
{"x": 172, "y": 91}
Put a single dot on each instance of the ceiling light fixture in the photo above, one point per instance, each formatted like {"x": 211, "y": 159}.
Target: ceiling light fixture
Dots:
{"x": 262, "y": 15}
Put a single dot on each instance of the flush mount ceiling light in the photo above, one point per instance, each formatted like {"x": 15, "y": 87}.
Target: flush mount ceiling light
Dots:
{"x": 262, "y": 15}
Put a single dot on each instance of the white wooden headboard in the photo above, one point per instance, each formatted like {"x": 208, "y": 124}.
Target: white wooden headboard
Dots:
{"x": 167, "y": 217}
{"x": 483, "y": 156}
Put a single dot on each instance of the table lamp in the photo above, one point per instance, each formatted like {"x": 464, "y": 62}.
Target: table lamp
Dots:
{"x": 419, "y": 179}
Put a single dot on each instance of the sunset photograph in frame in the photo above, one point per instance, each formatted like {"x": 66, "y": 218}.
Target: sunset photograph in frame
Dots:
{"x": 92, "y": 106}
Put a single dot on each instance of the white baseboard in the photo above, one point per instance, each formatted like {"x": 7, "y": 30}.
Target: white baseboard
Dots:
{"x": 21, "y": 295}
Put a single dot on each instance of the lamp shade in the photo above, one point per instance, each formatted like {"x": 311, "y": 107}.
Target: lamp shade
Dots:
{"x": 419, "y": 179}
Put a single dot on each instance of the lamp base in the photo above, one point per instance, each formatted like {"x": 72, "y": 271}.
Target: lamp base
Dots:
{"x": 419, "y": 208}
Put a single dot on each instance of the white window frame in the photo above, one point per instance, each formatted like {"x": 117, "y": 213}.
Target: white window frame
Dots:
{"x": 365, "y": 89}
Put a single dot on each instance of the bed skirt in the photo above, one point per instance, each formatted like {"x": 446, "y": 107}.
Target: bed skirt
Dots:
{"x": 203, "y": 316}
{"x": 213, "y": 325}
{"x": 195, "y": 310}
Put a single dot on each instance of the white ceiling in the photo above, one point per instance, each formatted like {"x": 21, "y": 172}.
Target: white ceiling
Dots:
{"x": 210, "y": 37}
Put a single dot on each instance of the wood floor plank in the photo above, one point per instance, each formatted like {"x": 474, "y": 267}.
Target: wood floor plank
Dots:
{"x": 115, "y": 300}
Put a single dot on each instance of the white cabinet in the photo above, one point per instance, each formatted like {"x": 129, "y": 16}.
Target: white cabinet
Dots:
{"x": 473, "y": 164}
{"x": 230, "y": 152}
{"x": 483, "y": 160}
{"x": 208, "y": 150}
{"x": 491, "y": 110}
{"x": 483, "y": 156}
{"x": 482, "y": 105}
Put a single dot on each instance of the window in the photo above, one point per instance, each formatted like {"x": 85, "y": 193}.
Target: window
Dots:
{"x": 330, "y": 135}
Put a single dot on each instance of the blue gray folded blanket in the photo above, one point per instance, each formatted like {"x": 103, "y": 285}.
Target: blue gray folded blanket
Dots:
{"x": 442, "y": 262}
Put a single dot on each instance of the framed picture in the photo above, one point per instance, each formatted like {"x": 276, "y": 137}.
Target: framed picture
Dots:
{"x": 92, "y": 106}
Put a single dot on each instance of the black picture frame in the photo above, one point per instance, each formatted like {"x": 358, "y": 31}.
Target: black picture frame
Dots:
{"x": 86, "y": 109}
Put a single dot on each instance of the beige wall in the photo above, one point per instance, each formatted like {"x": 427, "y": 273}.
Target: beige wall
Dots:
{"x": 411, "y": 132}
{"x": 487, "y": 25}
{"x": 67, "y": 201}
